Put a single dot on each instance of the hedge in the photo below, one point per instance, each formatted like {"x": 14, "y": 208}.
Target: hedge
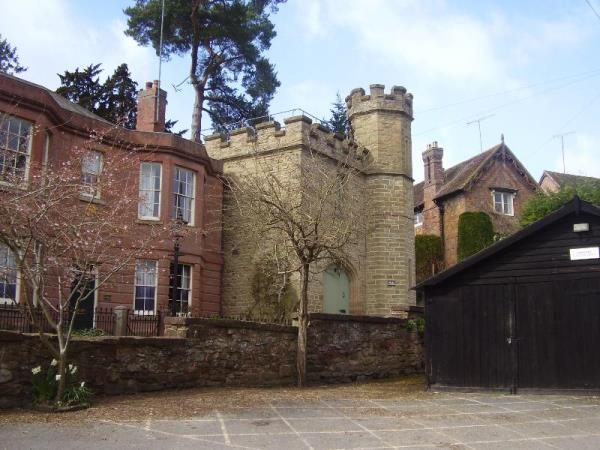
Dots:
{"x": 429, "y": 256}
{"x": 475, "y": 232}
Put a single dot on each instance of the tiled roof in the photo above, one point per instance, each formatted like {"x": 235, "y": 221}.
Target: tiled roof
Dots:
{"x": 62, "y": 102}
{"x": 564, "y": 179}
{"x": 458, "y": 177}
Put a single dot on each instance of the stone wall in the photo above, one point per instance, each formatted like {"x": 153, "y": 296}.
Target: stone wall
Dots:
{"x": 217, "y": 352}
{"x": 347, "y": 348}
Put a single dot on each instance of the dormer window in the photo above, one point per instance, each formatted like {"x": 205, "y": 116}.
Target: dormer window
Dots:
{"x": 503, "y": 202}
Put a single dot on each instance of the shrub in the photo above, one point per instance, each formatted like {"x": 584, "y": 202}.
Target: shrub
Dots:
{"x": 93, "y": 332}
{"x": 429, "y": 256}
{"x": 543, "y": 203}
{"x": 475, "y": 232}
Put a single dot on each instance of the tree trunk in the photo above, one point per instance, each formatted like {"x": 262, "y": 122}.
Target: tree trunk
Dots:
{"x": 196, "y": 127}
{"x": 61, "y": 370}
{"x": 302, "y": 328}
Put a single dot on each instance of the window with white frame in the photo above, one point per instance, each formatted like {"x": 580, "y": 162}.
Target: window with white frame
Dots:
{"x": 8, "y": 276}
{"x": 184, "y": 288}
{"x": 418, "y": 218}
{"x": 149, "y": 195}
{"x": 91, "y": 166}
{"x": 145, "y": 286}
{"x": 183, "y": 193}
{"x": 503, "y": 202}
{"x": 15, "y": 147}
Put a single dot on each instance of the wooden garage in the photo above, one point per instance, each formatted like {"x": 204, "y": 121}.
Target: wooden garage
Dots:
{"x": 523, "y": 313}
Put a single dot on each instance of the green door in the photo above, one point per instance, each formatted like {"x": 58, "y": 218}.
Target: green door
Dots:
{"x": 336, "y": 291}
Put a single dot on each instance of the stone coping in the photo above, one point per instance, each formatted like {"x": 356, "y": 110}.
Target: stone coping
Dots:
{"x": 356, "y": 318}
{"x": 146, "y": 340}
{"x": 228, "y": 323}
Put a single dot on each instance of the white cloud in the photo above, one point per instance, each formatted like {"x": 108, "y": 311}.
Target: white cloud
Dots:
{"x": 309, "y": 13}
{"x": 51, "y": 38}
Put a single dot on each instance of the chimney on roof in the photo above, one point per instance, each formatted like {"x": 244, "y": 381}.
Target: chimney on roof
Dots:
{"x": 434, "y": 180}
{"x": 434, "y": 168}
{"x": 151, "y": 108}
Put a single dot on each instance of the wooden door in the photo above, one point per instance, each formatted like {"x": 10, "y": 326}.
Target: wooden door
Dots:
{"x": 84, "y": 289}
{"x": 336, "y": 290}
{"x": 467, "y": 330}
{"x": 558, "y": 334}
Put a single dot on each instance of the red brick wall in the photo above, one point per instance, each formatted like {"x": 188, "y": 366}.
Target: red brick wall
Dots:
{"x": 202, "y": 248}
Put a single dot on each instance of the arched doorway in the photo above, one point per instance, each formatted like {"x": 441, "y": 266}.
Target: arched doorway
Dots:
{"x": 336, "y": 290}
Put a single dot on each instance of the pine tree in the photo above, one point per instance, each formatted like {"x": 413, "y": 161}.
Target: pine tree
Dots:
{"x": 226, "y": 39}
{"x": 9, "y": 61}
{"x": 338, "y": 123}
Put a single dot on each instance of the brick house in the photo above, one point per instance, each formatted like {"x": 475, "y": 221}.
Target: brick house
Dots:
{"x": 555, "y": 181}
{"x": 174, "y": 174}
{"x": 494, "y": 182}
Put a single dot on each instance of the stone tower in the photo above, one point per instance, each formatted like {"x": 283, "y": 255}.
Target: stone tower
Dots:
{"x": 382, "y": 123}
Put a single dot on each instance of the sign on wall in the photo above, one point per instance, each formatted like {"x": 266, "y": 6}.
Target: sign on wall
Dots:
{"x": 585, "y": 253}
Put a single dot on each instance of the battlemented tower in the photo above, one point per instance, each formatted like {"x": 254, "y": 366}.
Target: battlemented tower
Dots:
{"x": 382, "y": 123}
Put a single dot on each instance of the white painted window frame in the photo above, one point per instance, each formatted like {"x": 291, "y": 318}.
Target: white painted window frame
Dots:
{"x": 146, "y": 312}
{"x": 160, "y": 188}
{"x": 506, "y": 198}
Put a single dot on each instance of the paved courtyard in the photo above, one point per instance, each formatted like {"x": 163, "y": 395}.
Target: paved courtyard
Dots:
{"x": 326, "y": 418}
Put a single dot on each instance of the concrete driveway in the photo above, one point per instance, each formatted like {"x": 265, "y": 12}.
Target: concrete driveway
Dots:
{"x": 325, "y": 421}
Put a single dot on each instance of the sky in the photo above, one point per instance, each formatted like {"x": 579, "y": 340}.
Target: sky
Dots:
{"x": 530, "y": 68}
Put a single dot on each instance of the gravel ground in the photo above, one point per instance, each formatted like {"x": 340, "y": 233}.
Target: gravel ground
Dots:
{"x": 398, "y": 413}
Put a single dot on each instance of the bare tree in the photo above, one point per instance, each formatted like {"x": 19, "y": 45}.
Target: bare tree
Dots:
{"x": 306, "y": 209}
{"x": 69, "y": 226}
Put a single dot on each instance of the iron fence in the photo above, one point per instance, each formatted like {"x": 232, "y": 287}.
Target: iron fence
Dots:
{"x": 145, "y": 324}
{"x": 15, "y": 317}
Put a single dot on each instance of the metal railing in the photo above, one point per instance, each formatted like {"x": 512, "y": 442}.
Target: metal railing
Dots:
{"x": 145, "y": 324}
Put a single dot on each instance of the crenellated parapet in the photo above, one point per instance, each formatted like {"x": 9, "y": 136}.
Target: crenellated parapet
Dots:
{"x": 398, "y": 100}
{"x": 299, "y": 131}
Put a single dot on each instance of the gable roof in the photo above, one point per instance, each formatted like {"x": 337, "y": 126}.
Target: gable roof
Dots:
{"x": 461, "y": 176}
{"x": 567, "y": 179}
{"x": 575, "y": 206}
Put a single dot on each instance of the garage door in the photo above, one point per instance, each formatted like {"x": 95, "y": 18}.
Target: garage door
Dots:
{"x": 558, "y": 334}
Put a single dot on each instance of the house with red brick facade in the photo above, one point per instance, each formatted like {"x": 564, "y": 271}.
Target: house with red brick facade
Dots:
{"x": 555, "y": 181}
{"x": 494, "y": 182}
{"x": 175, "y": 177}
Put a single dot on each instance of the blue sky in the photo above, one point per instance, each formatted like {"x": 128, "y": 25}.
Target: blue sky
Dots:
{"x": 534, "y": 65}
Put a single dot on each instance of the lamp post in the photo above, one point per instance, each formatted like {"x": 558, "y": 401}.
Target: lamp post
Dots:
{"x": 177, "y": 233}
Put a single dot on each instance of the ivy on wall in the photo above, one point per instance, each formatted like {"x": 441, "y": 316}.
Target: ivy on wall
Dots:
{"x": 475, "y": 232}
{"x": 429, "y": 256}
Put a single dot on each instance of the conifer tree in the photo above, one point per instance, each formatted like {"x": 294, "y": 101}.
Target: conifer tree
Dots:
{"x": 338, "y": 123}
{"x": 226, "y": 40}
{"x": 83, "y": 87}
{"x": 9, "y": 61}
{"x": 119, "y": 98}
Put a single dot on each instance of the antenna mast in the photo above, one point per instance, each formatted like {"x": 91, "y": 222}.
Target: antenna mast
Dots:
{"x": 160, "y": 47}
{"x": 562, "y": 146}
{"x": 478, "y": 121}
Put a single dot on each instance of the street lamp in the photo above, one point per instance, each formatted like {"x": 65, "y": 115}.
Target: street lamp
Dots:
{"x": 177, "y": 233}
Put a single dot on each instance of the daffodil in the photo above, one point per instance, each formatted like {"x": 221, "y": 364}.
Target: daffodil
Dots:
{"x": 53, "y": 363}
{"x": 36, "y": 370}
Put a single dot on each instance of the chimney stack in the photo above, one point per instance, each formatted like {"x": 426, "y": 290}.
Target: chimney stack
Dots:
{"x": 434, "y": 180}
{"x": 434, "y": 168}
{"x": 151, "y": 100}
